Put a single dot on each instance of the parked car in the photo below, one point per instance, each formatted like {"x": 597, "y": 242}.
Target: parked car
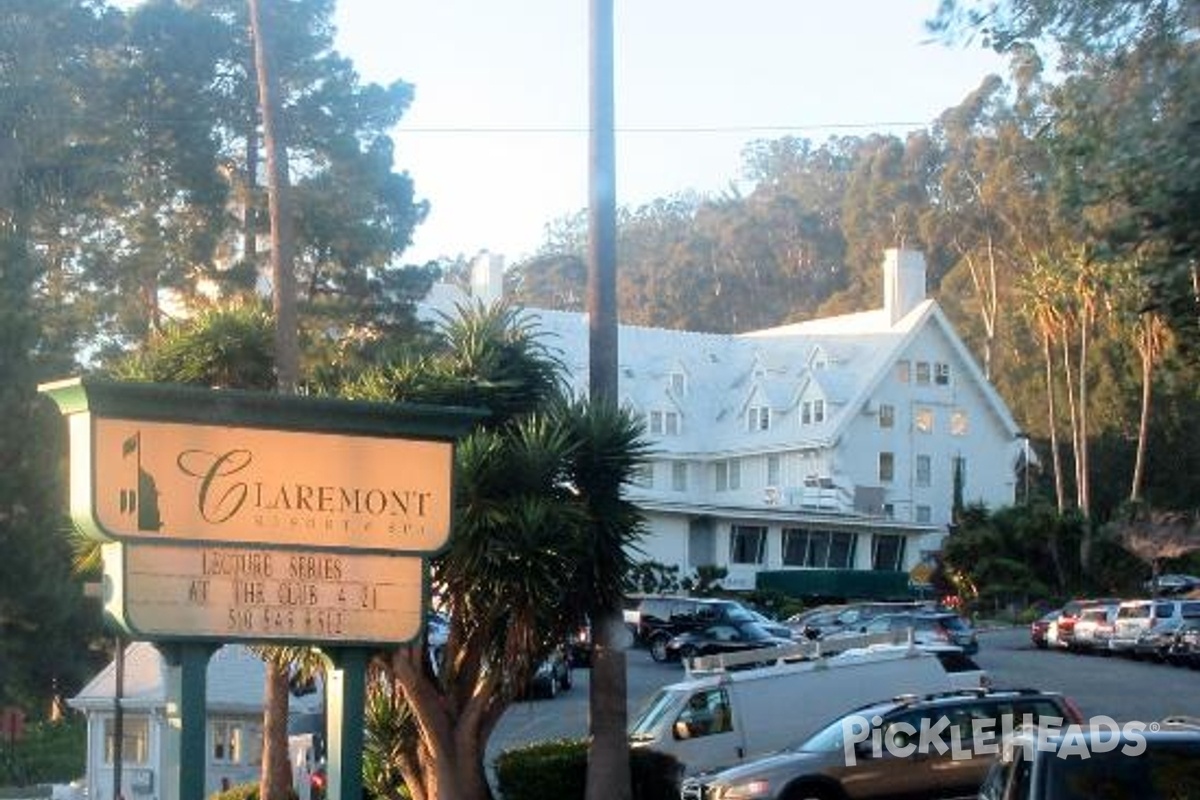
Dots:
{"x": 579, "y": 646}
{"x": 1064, "y": 626}
{"x": 1160, "y": 762}
{"x": 835, "y": 763}
{"x": 929, "y": 628}
{"x": 552, "y": 676}
{"x": 1185, "y": 650}
{"x": 661, "y": 618}
{"x": 724, "y": 637}
{"x": 1093, "y": 629}
{"x": 771, "y": 626}
{"x": 1040, "y": 628}
{"x": 1156, "y": 642}
{"x": 1173, "y": 583}
{"x": 1135, "y": 617}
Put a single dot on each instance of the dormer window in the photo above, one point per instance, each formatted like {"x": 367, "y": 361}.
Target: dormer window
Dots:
{"x": 664, "y": 423}
{"x": 941, "y": 374}
{"x": 678, "y": 384}
{"x": 758, "y": 418}
{"x": 812, "y": 412}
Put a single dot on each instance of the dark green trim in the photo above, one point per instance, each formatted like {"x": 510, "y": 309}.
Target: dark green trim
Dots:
{"x": 162, "y": 402}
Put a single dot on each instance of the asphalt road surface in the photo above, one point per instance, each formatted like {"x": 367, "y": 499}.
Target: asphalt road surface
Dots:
{"x": 1117, "y": 687}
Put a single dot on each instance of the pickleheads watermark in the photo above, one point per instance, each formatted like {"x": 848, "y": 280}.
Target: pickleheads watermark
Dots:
{"x": 965, "y": 738}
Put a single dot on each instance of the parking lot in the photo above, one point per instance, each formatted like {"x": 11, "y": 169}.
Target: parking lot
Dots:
{"x": 1117, "y": 687}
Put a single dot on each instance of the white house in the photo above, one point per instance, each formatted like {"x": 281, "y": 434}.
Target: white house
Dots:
{"x": 816, "y": 457}
{"x": 234, "y": 730}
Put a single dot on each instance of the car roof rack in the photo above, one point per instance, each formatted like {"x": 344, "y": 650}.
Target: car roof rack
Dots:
{"x": 863, "y": 645}
{"x": 1182, "y": 721}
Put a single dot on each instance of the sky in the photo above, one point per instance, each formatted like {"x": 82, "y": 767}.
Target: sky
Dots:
{"x": 496, "y": 140}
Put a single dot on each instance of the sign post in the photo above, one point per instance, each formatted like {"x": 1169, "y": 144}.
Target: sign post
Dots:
{"x": 231, "y": 516}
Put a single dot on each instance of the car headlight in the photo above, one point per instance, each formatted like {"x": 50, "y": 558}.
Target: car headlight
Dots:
{"x": 745, "y": 790}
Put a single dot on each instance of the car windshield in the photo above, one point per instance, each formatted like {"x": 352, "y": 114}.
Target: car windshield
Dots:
{"x": 658, "y": 707}
{"x": 738, "y": 614}
{"x": 1164, "y": 770}
{"x": 950, "y": 621}
{"x": 752, "y": 631}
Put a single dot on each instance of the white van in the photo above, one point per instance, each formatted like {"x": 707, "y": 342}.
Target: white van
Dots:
{"x": 721, "y": 718}
{"x": 1135, "y": 617}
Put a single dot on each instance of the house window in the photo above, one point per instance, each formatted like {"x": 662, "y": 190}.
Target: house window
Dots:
{"x": 903, "y": 371}
{"x": 887, "y": 467}
{"x": 678, "y": 384}
{"x": 772, "y": 470}
{"x": 958, "y": 422}
{"x": 806, "y": 413}
{"x": 679, "y": 476}
{"x": 923, "y": 420}
{"x": 671, "y": 423}
{"x": 664, "y": 422}
{"x": 924, "y": 470}
{"x": 747, "y": 544}
{"x": 818, "y": 549}
{"x": 758, "y": 418}
{"x": 226, "y": 742}
{"x": 728, "y": 475}
{"x": 818, "y": 411}
{"x": 135, "y": 740}
{"x": 887, "y": 415}
{"x": 924, "y": 514}
{"x": 941, "y": 374}
{"x": 889, "y": 511}
{"x": 922, "y": 373}
{"x": 887, "y": 552}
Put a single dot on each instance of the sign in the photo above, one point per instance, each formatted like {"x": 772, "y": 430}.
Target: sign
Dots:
{"x": 262, "y": 594}
{"x": 169, "y": 482}
{"x": 252, "y": 516}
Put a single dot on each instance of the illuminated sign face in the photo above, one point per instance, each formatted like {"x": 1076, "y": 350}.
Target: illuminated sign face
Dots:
{"x": 260, "y": 594}
{"x": 173, "y": 482}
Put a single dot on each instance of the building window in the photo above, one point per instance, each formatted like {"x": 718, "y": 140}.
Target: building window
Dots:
{"x": 729, "y": 475}
{"x": 818, "y": 549}
{"x": 887, "y": 552}
{"x": 941, "y": 374}
{"x": 226, "y": 742}
{"x": 923, "y": 420}
{"x": 922, "y": 373}
{"x": 924, "y": 514}
{"x": 924, "y": 471}
{"x": 679, "y": 476}
{"x": 758, "y": 418}
{"x": 958, "y": 422}
{"x": 818, "y": 411}
{"x": 889, "y": 511}
{"x": 773, "y": 470}
{"x": 678, "y": 384}
{"x": 903, "y": 371}
{"x": 747, "y": 544}
{"x": 806, "y": 413}
{"x": 887, "y": 415}
{"x": 887, "y": 467}
{"x": 135, "y": 740}
{"x": 664, "y": 423}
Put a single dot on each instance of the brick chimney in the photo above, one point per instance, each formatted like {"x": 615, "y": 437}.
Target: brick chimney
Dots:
{"x": 903, "y": 282}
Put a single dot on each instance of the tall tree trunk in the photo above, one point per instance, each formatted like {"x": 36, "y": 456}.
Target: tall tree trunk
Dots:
{"x": 275, "y": 781}
{"x": 1083, "y": 468}
{"x": 1139, "y": 464}
{"x": 1069, "y": 381}
{"x": 287, "y": 349}
{"x": 250, "y": 198}
{"x": 1060, "y": 494}
{"x": 608, "y": 775}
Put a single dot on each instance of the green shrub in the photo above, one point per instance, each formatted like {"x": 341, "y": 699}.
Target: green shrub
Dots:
{"x": 49, "y": 752}
{"x": 243, "y": 791}
{"x": 557, "y": 770}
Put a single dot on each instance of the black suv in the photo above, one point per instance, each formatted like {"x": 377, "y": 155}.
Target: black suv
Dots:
{"x": 660, "y": 619}
{"x": 930, "y": 746}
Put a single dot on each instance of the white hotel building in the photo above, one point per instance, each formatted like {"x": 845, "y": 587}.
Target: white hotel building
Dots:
{"x": 817, "y": 457}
